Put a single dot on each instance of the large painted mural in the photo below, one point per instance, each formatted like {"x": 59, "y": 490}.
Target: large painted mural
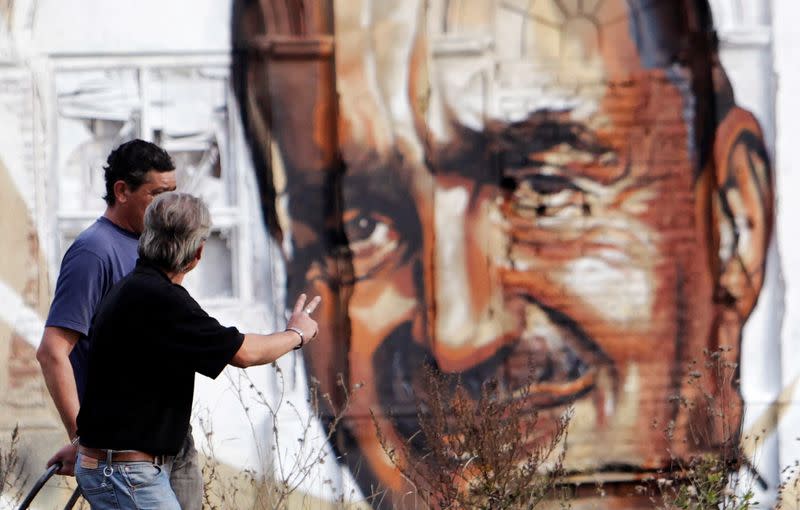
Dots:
{"x": 560, "y": 194}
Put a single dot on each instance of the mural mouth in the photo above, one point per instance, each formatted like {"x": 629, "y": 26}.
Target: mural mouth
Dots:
{"x": 540, "y": 371}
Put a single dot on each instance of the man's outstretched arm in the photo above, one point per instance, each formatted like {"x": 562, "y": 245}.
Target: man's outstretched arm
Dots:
{"x": 263, "y": 349}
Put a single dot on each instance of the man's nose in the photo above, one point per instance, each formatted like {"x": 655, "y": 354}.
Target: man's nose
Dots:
{"x": 471, "y": 320}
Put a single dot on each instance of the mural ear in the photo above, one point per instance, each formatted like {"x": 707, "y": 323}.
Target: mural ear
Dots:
{"x": 741, "y": 222}
{"x": 741, "y": 211}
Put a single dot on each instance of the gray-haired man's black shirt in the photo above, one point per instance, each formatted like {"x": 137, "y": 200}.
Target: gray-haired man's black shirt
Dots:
{"x": 148, "y": 338}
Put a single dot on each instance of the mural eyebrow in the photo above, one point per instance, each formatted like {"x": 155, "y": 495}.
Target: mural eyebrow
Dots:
{"x": 542, "y": 132}
{"x": 386, "y": 188}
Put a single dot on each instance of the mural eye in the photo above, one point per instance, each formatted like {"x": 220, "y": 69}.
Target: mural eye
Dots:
{"x": 373, "y": 239}
{"x": 363, "y": 228}
{"x": 549, "y": 196}
{"x": 550, "y": 184}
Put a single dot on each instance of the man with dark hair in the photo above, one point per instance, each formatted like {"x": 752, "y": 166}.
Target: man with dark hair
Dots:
{"x": 132, "y": 163}
{"x": 136, "y": 172}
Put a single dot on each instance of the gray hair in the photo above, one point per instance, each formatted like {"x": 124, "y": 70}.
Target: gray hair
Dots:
{"x": 175, "y": 225}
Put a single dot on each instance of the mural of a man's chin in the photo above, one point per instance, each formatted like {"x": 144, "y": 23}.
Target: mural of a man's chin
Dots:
{"x": 576, "y": 212}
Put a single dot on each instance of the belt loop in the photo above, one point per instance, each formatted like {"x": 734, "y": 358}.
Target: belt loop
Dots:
{"x": 109, "y": 469}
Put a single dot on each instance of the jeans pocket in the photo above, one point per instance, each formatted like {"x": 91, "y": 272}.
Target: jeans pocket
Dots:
{"x": 96, "y": 488}
{"x": 140, "y": 474}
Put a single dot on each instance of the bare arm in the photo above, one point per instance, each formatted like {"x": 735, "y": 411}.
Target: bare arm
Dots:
{"x": 53, "y": 357}
{"x": 262, "y": 349}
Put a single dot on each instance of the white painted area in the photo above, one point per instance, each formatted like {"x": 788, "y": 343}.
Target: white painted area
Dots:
{"x": 785, "y": 14}
{"x": 15, "y": 34}
{"x": 17, "y": 131}
{"x": 121, "y": 26}
{"x": 24, "y": 320}
{"x": 739, "y": 15}
{"x": 455, "y": 321}
{"x": 632, "y": 298}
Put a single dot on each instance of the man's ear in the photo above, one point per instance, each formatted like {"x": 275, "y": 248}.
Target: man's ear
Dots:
{"x": 742, "y": 211}
{"x": 197, "y": 256}
{"x": 120, "y": 191}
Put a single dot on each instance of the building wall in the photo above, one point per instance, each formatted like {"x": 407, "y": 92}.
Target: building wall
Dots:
{"x": 786, "y": 76}
{"x": 74, "y": 82}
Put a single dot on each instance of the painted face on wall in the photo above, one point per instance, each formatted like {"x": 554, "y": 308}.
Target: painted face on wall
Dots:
{"x": 551, "y": 193}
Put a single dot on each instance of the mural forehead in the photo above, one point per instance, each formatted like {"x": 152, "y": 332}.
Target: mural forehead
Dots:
{"x": 509, "y": 191}
{"x": 536, "y": 55}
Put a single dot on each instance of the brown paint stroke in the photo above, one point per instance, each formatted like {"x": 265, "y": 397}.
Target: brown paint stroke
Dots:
{"x": 24, "y": 267}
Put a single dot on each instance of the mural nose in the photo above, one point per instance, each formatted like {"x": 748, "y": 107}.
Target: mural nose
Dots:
{"x": 471, "y": 319}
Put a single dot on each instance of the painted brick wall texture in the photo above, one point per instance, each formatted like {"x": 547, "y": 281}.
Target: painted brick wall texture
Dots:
{"x": 560, "y": 196}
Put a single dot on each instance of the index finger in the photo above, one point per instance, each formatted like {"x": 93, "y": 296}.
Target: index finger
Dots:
{"x": 298, "y": 305}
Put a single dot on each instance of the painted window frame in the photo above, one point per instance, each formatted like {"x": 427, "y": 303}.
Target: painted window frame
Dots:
{"x": 231, "y": 221}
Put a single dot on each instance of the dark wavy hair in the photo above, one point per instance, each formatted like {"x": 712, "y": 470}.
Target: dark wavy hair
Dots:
{"x": 130, "y": 163}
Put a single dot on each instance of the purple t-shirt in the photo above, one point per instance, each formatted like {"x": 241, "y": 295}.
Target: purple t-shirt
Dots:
{"x": 100, "y": 256}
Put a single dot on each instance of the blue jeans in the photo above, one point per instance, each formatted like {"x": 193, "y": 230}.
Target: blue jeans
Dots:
{"x": 125, "y": 485}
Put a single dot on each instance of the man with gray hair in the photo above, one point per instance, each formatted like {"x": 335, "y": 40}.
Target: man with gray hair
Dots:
{"x": 130, "y": 422}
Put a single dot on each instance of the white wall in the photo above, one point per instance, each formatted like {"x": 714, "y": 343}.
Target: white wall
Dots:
{"x": 141, "y": 26}
{"x": 787, "y": 108}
